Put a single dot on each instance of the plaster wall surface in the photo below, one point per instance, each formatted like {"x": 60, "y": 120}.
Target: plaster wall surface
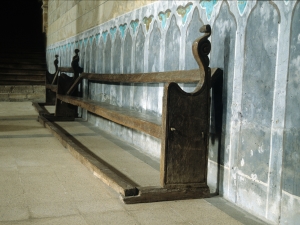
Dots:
{"x": 254, "y": 149}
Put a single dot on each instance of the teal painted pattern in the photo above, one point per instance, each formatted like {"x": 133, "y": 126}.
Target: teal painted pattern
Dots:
{"x": 85, "y": 42}
{"x": 208, "y": 5}
{"x": 163, "y": 16}
{"x": 122, "y": 28}
{"x": 80, "y": 42}
{"x": 134, "y": 24}
{"x": 97, "y": 37}
{"x": 147, "y": 21}
{"x": 113, "y": 32}
{"x": 241, "y": 6}
{"x": 91, "y": 39}
{"x": 184, "y": 11}
{"x": 104, "y": 35}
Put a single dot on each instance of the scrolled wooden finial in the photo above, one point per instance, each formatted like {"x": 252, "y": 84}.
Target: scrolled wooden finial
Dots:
{"x": 75, "y": 65}
{"x": 201, "y": 47}
{"x": 56, "y": 63}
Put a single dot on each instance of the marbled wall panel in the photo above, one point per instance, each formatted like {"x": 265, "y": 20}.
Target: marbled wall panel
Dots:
{"x": 138, "y": 89}
{"x": 222, "y": 56}
{"x": 127, "y": 55}
{"x": 258, "y": 88}
{"x": 291, "y": 149}
{"x": 127, "y": 60}
{"x": 99, "y": 68}
{"x": 192, "y": 34}
{"x": 107, "y": 68}
{"x": 154, "y": 49}
{"x": 116, "y": 90}
{"x": 290, "y": 205}
{"x": 251, "y": 194}
{"x": 153, "y": 66}
{"x": 100, "y": 57}
{"x": 172, "y": 47}
{"x": 93, "y": 59}
{"x": 139, "y": 51}
{"x": 116, "y": 54}
{"x": 81, "y": 54}
{"x": 87, "y": 57}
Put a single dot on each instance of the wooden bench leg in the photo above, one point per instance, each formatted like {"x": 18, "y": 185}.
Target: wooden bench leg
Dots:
{"x": 50, "y": 97}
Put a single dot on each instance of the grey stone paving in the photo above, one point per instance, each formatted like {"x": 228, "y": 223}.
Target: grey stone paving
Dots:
{"x": 42, "y": 183}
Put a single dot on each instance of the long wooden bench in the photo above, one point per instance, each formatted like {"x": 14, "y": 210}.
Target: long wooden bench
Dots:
{"x": 183, "y": 127}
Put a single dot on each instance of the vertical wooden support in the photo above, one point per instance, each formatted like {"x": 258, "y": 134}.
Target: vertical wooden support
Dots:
{"x": 63, "y": 109}
{"x": 50, "y": 97}
{"x": 50, "y": 79}
{"x": 63, "y": 85}
{"x": 77, "y": 70}
{"x": 184, "y": 154}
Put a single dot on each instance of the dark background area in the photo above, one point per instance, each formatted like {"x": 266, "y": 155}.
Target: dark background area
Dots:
{"x": 21, "y": 25}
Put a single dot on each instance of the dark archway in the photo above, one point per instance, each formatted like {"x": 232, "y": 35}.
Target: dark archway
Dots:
{"x": 21, "y": 25}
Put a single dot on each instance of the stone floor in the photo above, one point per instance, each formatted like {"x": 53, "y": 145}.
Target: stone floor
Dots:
{"x": 42, "y": 183}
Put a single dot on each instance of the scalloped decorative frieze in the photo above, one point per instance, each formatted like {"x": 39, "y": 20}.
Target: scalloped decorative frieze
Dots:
{"x": 113, "y": 32}
{"x": 184, "y": 11}
{"x": 241, "y": 4}
{"x": 134, "y": 24}
{"x": 147, "y": 21}
{"x": 97, "y": 37}
{"x": 80, "y": 42}
{"x": 85, "y": 41}
{"x": 91, "y": 39}
{"x": 163, "y": 16}
{"x": 104, "y": 35}
{"x": 122, "y": 28}
{"x": 208, "y": 5}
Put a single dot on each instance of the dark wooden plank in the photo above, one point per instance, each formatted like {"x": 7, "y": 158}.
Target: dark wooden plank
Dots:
{"x": 139, "y": 121}
{"x": 158, "y": 77}
{"x": 157, "y": 194}
{"x": 100, "y": 168}
{"x": 50, "y": 96}
{"x": 184, "y": 76}
{"x": 39, "y": 108}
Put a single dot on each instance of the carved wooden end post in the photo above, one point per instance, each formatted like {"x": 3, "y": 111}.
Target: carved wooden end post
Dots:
{"x": 51, "y": 79}
{"x": 64, "y": 83}
{"x": 186, "y": 128}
